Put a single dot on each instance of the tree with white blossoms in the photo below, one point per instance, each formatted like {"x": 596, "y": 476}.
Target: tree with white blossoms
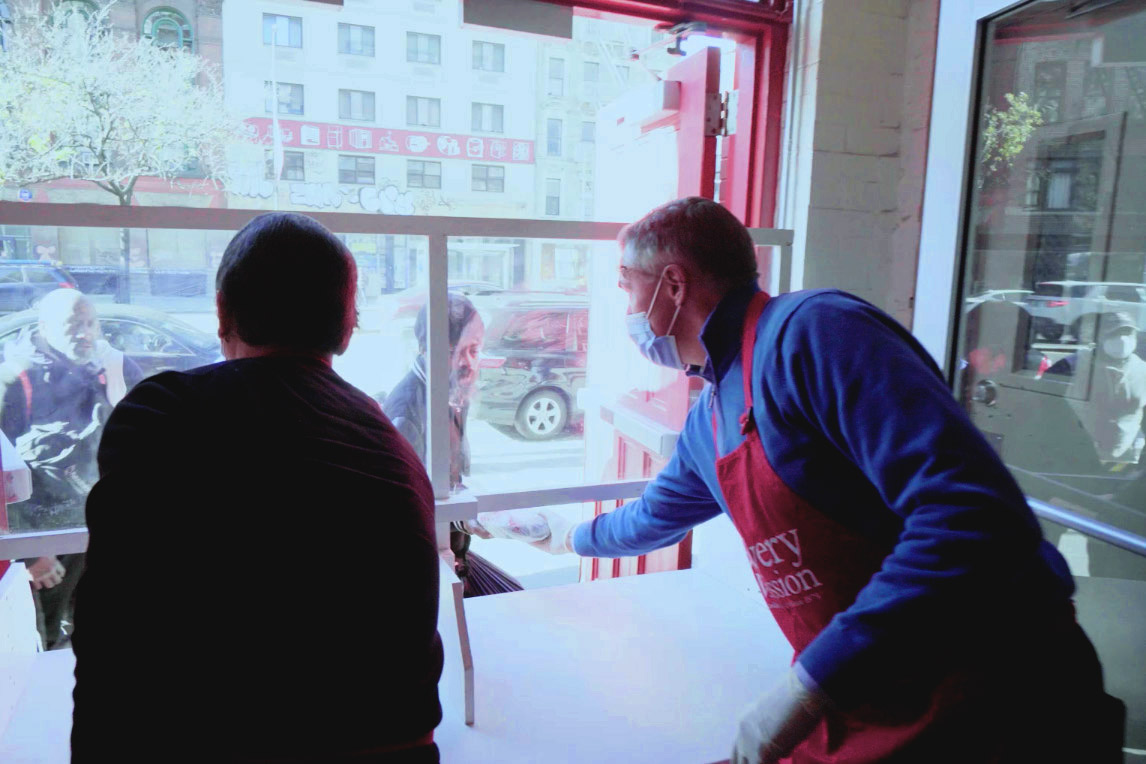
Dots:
{"x": 81, "y": 100}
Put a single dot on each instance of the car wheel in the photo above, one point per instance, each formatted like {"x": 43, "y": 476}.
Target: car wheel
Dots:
{"x": 543, "y": 414}
{"x": 1052, "y": 332}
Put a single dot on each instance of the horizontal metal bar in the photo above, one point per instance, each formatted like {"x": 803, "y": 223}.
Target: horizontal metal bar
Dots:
{"x": 460, "y": 506}
{"x": 464, "y": 505}
{"x": 24, "y": 546}
{"x": 1111, "y": 534}
{"x": 212, "y": 219}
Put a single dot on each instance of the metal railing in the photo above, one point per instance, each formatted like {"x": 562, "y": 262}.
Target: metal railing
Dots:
{"x": 438, "y": 231}
{"x": 1095, "y": 529}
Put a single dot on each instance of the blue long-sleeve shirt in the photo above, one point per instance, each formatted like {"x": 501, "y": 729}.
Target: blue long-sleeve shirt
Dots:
{"x": 856, "y": 419}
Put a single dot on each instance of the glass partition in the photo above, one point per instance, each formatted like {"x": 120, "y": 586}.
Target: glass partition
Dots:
{"x": 1051, "y": 355}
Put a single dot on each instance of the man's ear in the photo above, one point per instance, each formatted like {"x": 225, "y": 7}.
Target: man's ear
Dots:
{"x": 675, "y": 283}
{"x": 226, "y": 324}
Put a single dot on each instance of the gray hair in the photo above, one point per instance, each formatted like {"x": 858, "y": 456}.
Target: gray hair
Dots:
{"x": 696, "y": 232}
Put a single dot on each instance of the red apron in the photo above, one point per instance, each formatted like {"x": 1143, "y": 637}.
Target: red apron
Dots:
{"x": 799, "y": 560}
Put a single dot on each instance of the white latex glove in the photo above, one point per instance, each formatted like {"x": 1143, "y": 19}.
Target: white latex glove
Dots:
{"x": 560, "y": 540}
{"x": 778, "y": 721}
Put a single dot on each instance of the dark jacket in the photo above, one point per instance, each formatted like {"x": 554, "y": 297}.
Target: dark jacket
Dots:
{"x": 406, "y": 407}
{"x": 53, "y": 411}
{"x": 287, "y": 528}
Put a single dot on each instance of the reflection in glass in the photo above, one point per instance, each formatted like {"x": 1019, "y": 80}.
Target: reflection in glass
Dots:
{"x": 1051, "y": 364}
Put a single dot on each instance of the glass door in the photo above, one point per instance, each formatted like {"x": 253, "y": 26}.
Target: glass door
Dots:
{"x": 1047, "y": 265}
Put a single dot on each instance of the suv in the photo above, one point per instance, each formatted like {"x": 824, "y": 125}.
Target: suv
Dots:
{"x": 534, "y": 362}
{"x": 24, "y": 282}
{"x": 1059, "y": 307}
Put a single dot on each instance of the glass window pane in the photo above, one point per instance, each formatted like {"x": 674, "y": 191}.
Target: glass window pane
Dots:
{"x": 231, "y": 167}
{"x": 1052, "y": 366}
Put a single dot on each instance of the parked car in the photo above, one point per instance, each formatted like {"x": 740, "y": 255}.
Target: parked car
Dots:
{"x": 24, "y": 282}
{"x": 534, "y": 362}
{"x": 1059, "y": 307}
{"x": 996, "y": 295}
{"x": 153, "y": 339}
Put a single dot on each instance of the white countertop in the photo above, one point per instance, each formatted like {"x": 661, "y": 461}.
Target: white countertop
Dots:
{"x": 651, "y": 668}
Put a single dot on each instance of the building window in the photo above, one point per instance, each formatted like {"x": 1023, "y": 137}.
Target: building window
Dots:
{"x": 489, "y": 56}
{"x": 487, "y": 177}
{"x": 354, "y": 169}
{"x": 488, "y": 118}
{"x": 623, "y": 73}
{"x": 589, "y": 132}
{"x": 592, "y": 71}
{"x": 356, "y": 104}
{"x": 84, "y": 9}
{"x": 168, "y": 29}
{"x": 421, "y": 174}
{"x": 288, "y": 95}
{"x": 355, "y": 40}
{"x": 552, "y": 196}
{"x": 423, "y": 112}
{"x": 553, "y": 137}
{"x": 1096, "y": 92}
{"x": 292, "y": 165}
{"x": 423, "y": 48}
{"x": 283, "y": 31}
{"x": 556, "y": 86}
{"x": 1050, "y": 82}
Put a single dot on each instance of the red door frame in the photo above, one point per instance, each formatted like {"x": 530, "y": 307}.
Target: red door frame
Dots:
{"x": 751, "y": 163}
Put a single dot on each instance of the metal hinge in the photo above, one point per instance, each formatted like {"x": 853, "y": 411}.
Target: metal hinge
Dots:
{"x": 720, "y": 111}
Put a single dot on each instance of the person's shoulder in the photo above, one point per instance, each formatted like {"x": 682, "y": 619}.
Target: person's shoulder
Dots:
{"x": 811, "y": 312}
{"x": 403, "y": 397}
{"x": 165, "y": 391}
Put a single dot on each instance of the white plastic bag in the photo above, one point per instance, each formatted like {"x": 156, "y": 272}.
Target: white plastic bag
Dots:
{"x": 517, "y": 524}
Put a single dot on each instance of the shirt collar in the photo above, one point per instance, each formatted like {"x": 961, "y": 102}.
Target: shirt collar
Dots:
{"x": 722, "y": 332}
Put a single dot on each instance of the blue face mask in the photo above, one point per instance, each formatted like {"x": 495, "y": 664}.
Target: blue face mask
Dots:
{"x": 660, "y": 350}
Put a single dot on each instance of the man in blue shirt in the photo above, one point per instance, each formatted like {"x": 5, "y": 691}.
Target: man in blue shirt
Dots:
{"x": 893, "y": 547}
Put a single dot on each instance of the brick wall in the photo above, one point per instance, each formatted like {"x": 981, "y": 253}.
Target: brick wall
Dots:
{"x": 858, "y": 147}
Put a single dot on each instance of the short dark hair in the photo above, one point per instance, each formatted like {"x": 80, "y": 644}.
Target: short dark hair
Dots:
{"x": 286, "y": 281}
{"x": 694, "y": 231}
{"x": 462, "y": 311}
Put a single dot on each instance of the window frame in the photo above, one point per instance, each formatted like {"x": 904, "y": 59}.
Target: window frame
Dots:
{"x": 487, "y": 178}
{"x": 439, "y": 230}
{"x": 550, "y": 141}
{"x": 290, "y": 36}
{"x": 496, "y": 111}
{"x": 756, "y": 27}
{"x": 357, "y": 171}
{"x": 163, "y": 14}
{"x": 478, "y": 56}
{"x": 425, "y": 163}
{"x": 349, "y": 96}
{"x": 548, "y": 196}
{"x": 551, "y": 78}
{"x": 342, "y": 25}
{"x": 297, "y": 162}
{"x": 274, "y": 86}
{"x": 416, "y": 102}
{"x": 414, "y": 48}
